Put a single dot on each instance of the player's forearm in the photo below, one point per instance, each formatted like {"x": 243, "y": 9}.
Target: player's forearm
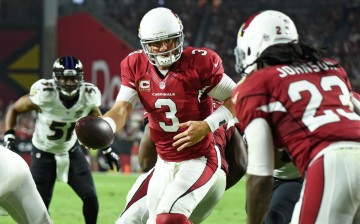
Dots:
{"x": 118, "y": 113}
{"x": 22, "y": 105}
{"x": 13, "y": 111}
{"x": 229, "y": 105}
{"x": 219, "y": 117}
{"x": 10, "y": 119}
{"x": 258, "y": 194}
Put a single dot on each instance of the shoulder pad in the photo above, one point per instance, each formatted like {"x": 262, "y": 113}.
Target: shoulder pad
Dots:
{"x": 206, "y": 59}
{"x": 43, "y": 91}
{"x": 91, "y": 93}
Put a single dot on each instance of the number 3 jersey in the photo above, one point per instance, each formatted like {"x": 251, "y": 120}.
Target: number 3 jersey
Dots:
{"x": 54, "y": 127}
{"x": 178, "y": 97}
{"x": 306, "y": 107}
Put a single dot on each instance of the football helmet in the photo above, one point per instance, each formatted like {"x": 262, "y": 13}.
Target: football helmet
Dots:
{"x": 260, "y": 31}
{"x": 161, "y": 24}
{"x": 68, "y": 75}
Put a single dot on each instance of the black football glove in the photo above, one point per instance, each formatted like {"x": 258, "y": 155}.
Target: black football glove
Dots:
{"x": 112, "y": 158}
{"x": 9, "y": 140}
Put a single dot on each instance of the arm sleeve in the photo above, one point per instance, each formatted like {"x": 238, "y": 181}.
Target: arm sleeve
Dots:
{"x": 127, "y": 94}
{"x": 223, "y": 89}
{"x": 260, "y": 148}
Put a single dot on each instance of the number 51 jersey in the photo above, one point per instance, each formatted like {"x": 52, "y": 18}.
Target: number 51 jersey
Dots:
{"x": 55, "y": 123}
{"x": 306, "y": 107}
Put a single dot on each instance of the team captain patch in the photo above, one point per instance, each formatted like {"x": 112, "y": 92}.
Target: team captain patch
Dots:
{"x": 144, "y": 85}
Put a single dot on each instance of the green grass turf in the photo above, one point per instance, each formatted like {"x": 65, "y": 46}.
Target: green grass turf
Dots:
{"x": 66, "y": 207}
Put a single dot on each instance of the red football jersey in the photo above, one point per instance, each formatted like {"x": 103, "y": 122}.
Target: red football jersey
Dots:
{"x": 222, "y": 136}
{"x": 306, "y": 108}
{"x": 178, "y": 97}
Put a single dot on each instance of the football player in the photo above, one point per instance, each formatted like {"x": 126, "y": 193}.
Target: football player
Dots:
{"x": 285, "y": 192}
{"x": 286, "y": 189}
{"x": 59, "y": 103}
{"x": 170, "y": 82}
{"x": 18, "y": 195}
{"x": 233, "y": 149}
{"x": 294, "y": 98}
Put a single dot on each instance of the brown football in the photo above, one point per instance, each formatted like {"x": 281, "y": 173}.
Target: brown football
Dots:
{"x": 94, "y": 132}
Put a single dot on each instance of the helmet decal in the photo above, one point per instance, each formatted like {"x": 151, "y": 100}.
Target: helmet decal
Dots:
{"x": 259, "y": 32}
{"x": 247, "y": 23}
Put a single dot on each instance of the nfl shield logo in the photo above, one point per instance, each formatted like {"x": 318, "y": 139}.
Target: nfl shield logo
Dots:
{"x": 162, "y": 85}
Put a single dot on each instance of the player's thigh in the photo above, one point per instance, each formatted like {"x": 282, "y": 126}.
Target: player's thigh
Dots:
{"x": 192, "y": 181}
{"x": 283, "y": 199}
{"x": 20, "y": 196}
{"x": 13, "y": 169}
{"x": 357, "y": 216}
{"x": 342, "y": 190}
{"x": 137, "y": 213}
{"x": 80, "y": 178}
{"x": 332, "y": 185}
{"x": 25, "y": 205}
{"x": 135, "y": 210}
{"x": 205, "y": 207}
{"x": 43, "y": 168}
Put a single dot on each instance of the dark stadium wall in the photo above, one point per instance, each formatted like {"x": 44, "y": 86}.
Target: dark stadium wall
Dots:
{"x": 97, "y": 47}
{"x": 79, "y": 35}
{"x": 19, "y": 61}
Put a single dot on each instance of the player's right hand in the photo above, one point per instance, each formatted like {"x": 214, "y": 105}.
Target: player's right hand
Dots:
{"x": 194, "y": 133}
{"x": 9, "y": 140}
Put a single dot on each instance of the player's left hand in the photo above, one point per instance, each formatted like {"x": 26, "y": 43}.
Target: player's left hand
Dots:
{"x": 9, "y": 140}
{"x": 112, "y": 159}
{"x": 195, "y": 132}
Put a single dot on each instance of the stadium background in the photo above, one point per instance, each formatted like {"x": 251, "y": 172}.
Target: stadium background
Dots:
{"x": 102, "y": 32}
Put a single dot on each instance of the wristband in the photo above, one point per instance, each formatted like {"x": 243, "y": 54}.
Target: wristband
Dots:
{"x": 111, "y": 122}
{"x": 219, "y": 117}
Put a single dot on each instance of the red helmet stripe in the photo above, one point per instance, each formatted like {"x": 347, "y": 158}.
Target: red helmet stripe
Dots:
{"x": 248, "y": 21}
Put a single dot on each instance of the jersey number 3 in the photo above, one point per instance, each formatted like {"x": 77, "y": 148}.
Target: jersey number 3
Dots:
{"x": 171, "y": 114}
{"x": 309, "y": 118}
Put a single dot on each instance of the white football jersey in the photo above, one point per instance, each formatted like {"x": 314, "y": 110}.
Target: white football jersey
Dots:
{"x": 55, "y": 124}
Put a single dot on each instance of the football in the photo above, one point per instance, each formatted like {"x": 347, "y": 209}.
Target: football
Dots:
{"x": 94, "y": 132}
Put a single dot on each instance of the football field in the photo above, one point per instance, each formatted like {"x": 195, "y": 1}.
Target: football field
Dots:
{"x": 66, "y": 207}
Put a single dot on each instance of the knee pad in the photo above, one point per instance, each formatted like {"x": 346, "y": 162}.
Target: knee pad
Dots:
{"x": 169, "y": 218}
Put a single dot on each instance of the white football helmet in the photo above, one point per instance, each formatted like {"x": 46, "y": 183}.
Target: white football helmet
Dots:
{"x": 157, "y": 25}
{"x": 260, "y": 31}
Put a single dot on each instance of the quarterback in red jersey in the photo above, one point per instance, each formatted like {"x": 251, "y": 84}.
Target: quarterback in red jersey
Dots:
{"x": 292, "y": 98}
{"x": 170, "y": 82}
{"x": 233, "y": 155}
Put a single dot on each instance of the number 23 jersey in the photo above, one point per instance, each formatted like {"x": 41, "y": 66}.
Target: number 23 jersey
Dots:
{"x": 178, "y": 97}
{"x": 54, "y": 127}
{"x": 307, "y": 108}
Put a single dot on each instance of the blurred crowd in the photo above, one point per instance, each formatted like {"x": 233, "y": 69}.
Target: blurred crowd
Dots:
{"x": 329, "y": 24}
